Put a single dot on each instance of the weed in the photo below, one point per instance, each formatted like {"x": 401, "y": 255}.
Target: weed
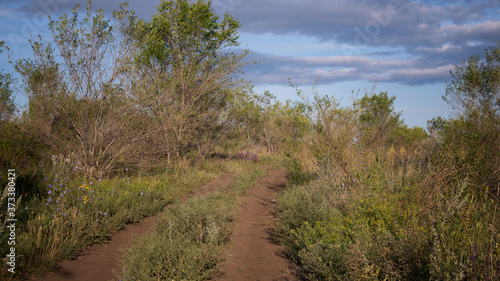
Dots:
{"x": 189, "y": 237}
{"x": 72, "y": 212}
{"x": 395, "y": 219}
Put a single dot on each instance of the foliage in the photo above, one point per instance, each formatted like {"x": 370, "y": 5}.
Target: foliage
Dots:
{"x": 434, "y": 126}
{"x": 297, "y": 173}
{"x": 474, "y": 89}
{"x": 80, "y": 101}
{"x": 73, "y": 212}
{"x": 186, "y": 244}
{"x": 399, "y": 219}
{"x": 263, "y": 121}
{"x": 409, "y": 137}
{"x": 369, "y": 198}
{"x": 244, "y": 114}
{"x": 186, "y": 61}
{"x": 284, "y": 126}
{"x": 17, "y": 149}
{"x": 7, "y": 105}
{"x": 189, "y": 237}
{"x": 474, "y": 93}
{"x": 377, "y": 118}
{"x": 391, "y": 203}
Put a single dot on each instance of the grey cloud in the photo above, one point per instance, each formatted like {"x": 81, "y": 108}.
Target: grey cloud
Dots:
{"x": 357, "y": 22}
{"x": 435, "y": 35}
{"x": 277, "y": 70}
{"x": 373, "y": 23}
{"x": 316, "y": 18}
{"x": 432, "y": 34}
{"x": 143, "y": 8}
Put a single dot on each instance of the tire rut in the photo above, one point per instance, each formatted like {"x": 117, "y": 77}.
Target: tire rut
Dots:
{"x": 253, "y": 254}
{"x": 98, "y": 262}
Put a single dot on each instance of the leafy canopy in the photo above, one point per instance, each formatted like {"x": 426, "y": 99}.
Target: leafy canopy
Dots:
{"x": 377, "y": 117}
{"x": 7, "y": 106}
{"x": 186, "y": 33}
{"x": 475, "y": 87}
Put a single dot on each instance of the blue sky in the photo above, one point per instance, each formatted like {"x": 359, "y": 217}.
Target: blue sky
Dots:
{"x": 406, "y": 48}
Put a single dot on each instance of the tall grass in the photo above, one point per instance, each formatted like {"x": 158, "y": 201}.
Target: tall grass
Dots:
{"x": 186, "y": 244}
{"x": 398, "y": 218}
{"x": 189, "y": 237}
{"x": 73, "y": 212}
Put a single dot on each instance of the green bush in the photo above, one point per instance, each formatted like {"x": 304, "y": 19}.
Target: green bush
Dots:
{"x": 321, "y": 249}
{"x": 189, "y": 237}
{"x": 73, "y": 214}
{"x": 394, "y": 203}
{"x": 70, "y": 212}
{"x": 296, "y": 172}
{"x": 407, "y": 221}
{"x": 186, "y": 244}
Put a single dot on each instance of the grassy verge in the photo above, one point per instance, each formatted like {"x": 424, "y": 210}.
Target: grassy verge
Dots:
{"x": 399, "y": 218}
{"x": 189, "y": 237}
{"x": 71, "y": 213}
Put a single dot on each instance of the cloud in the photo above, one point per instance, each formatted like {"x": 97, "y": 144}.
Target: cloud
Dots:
{"x": 7, "y": 12}
{"x": 410, "y": 42}
{"x": 374, "y": 23}
{"x": 391, "y": 23}
{"x": 29, "y": 8}
{"x": 305, "y": 70}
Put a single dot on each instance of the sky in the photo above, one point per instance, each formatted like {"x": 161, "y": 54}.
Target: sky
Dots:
{"x": 406, "y": 48}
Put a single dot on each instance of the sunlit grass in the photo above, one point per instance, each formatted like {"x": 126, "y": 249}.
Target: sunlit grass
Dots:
{"x": 398, "y": 218}
{"x": 190, "y": 237}
{"x": 74, "y": 212}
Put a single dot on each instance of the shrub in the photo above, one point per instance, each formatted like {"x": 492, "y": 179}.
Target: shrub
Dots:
{"x": 186, "y": 244}
{"x": 401, "y": 219}
{"x": 71, "y": 212}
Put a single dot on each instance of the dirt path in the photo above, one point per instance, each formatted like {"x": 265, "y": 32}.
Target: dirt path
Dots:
{"x": 97, "y": 262}
{"x": 253, "y": 254}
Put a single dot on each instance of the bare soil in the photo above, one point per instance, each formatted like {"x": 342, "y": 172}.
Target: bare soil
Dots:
{"x": 97, "y": 262}
{"x": 254, "y": 255}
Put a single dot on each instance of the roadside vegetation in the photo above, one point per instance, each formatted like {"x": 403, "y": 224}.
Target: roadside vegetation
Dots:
{"x": 125, "y": 116}
{"x": 71, "y": 213}
{"x": 189, "y": 237}
{"x": 381, "y": 201}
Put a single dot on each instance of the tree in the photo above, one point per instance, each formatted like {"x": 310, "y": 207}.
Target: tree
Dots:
{"x": 474, "y": 90}
{"x": 377, "y": 118}
{"x": 7, "y": 109}
{"x": 409, "y": 137}
{"x": 472, "y": 137}
{"x": 243, "y": 115}
{"x": 281, "y": 127}
{"x": 333, "y": 132}
{"x": 434, "y": 126}
{"x": 7, "y": 105}
{"x": 16, "y": 148}
{"x": 185, "y": 52}
{"x": 81, "y": 103}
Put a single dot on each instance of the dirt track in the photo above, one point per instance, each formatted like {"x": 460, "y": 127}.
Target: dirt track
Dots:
{"x": 253, "y": 254}
{"x": 98, "y": 262}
